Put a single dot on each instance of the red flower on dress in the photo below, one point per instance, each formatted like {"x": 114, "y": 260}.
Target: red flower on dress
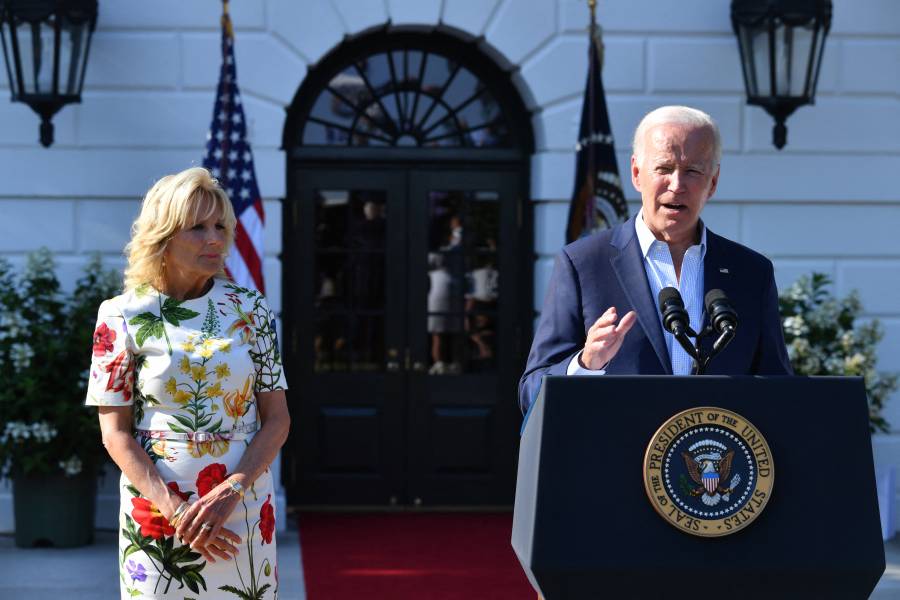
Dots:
{"x": 103, "y": 340}
{"x": 152, "y": 522}
{"x": 210, "y": 477}
{"x": 173, "y": 485}
{"x": 121, "y": 375}
{"x": 267, "y": 520}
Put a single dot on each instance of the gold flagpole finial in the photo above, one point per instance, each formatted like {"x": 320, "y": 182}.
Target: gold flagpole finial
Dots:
{"x": 594, "y": 30}
{"x": 226, "y": 19}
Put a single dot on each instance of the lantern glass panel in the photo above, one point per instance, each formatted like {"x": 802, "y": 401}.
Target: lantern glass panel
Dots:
{"x": 759, "y": 45}
{"x": 792, "y": 54}
{"x": 36, "y": 56}
{"x": 8, "y": 59}
{"x": 817, "y": 57}
{"x": 73, "y": 42}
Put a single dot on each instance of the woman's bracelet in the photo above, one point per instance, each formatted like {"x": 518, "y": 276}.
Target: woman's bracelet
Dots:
{"x": 179, "y": 512}
{"x": 236, "y": 486}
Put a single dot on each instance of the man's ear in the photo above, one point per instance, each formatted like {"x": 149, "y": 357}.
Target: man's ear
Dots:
{"x": 635, "y": 171}
{"x": 714, "y": 183}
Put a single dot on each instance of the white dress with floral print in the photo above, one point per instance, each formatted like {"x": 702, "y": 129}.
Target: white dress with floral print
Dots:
{"x": 190, "y": 366}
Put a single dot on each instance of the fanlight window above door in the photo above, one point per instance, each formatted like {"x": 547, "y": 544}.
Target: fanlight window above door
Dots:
{"x": 407, "y": 97}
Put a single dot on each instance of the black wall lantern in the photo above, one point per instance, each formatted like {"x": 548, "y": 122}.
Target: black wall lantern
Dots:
{"x": 45, "y": 44}
{"x": 781, "y": 44}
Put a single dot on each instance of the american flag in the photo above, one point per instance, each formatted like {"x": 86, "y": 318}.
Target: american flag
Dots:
{"x": 230, "y": 160}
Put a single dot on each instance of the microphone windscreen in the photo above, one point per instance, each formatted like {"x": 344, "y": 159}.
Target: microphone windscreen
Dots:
{"x": 668, "y": 296}
{"x": 713, "y": 296}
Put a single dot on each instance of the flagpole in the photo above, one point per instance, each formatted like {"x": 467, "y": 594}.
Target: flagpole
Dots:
{"x": 590, "y": 209}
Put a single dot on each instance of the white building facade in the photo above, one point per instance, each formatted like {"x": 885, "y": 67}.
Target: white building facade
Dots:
{"x": 829, "y": 202}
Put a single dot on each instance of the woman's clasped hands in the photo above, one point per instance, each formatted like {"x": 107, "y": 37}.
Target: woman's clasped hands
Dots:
{"x": 201, "y": 525}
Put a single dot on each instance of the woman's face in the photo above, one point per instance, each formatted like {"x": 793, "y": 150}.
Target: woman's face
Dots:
{"x": 197, "y": 251}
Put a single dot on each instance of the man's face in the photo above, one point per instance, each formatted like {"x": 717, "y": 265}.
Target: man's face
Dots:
{"x": 675, "y": 176}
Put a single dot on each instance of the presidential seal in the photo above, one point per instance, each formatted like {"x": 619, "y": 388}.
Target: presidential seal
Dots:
{"x": 708, "y": 472}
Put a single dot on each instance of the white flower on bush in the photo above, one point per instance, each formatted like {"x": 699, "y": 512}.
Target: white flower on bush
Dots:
{"x": 21, "y": 354}
{"x": 12, "y": 324}
{"x": 855, "y": 363}
{"x": 39, "y": 264}
{"x": 19, "y": 430}
{"x": 848, "y": 340}
{"x": 795, "y": 326}
{"x": 71, "y": 466}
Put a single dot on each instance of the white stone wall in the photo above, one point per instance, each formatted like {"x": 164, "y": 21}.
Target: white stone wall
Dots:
{"x": 828, "y": 201}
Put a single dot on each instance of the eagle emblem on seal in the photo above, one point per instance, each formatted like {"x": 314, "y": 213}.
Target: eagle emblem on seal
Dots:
{"x": 709, "y": 463}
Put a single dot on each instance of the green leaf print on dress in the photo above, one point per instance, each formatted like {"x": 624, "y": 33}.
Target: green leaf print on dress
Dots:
{"x": 153, "y": 326}
{"x": 210, "y": 326}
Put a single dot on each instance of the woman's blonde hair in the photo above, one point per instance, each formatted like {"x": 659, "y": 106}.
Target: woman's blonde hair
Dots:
{"x": 173, "y": 203}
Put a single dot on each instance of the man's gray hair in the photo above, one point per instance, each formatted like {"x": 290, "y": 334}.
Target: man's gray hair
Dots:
{"x": 676, "y": 115}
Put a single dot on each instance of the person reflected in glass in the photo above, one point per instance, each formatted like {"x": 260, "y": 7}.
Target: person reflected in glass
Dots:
{"x": 445, "y": 300}
{"x": 481, "y": 304}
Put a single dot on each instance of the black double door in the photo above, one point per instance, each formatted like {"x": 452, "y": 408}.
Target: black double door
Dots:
{"x": 407, "y": 302}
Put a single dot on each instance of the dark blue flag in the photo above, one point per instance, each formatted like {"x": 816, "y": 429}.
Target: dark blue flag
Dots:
{"x": 598, "y": 201}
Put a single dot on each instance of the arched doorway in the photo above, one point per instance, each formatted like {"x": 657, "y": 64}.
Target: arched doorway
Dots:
{"x": 406, "y": 273}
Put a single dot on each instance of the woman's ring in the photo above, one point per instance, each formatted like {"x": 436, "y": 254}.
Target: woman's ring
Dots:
{"x": 205, "y": 526}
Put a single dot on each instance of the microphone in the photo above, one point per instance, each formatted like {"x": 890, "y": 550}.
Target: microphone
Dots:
{"x": 721, "y": 314}
{"x": 675, "y": 318}
{"x": 722, "y": 318}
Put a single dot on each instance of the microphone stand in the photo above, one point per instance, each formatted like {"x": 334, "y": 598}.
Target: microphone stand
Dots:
{"x": 701, "y": 361}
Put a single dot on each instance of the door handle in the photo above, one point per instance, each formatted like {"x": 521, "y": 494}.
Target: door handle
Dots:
{"x": 393, "y": 364}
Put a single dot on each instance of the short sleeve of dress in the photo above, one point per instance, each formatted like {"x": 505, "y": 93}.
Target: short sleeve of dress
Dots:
{"x": 266, "y": 356}
{"x": 111, "y": 377}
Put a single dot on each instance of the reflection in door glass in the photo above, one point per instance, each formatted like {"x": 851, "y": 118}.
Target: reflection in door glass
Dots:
{"x": 350, "y": 280}
{"x": 464, "y": 285}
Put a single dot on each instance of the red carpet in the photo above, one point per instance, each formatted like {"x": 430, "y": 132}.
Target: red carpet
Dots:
{"x": 452, "y": 556}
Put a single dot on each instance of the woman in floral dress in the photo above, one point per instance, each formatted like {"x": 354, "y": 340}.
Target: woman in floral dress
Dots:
{"x": 188, "y": 381}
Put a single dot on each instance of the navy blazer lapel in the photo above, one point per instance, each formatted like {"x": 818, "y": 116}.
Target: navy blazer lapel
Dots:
{"x": 628, "y": 265}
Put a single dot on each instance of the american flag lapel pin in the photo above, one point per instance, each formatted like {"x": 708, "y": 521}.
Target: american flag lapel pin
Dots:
{"x": 723, "y": 270}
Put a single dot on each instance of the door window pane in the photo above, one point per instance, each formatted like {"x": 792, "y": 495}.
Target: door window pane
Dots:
{"x": 464, "y": 283}
{"x": 349, "y": 260}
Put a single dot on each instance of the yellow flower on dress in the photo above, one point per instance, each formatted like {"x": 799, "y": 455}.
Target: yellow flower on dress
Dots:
{"x": 182, "y": 397}
{"x": 159, "y": 448}
{"x": 185, "y": 365}
{"x": 215, "y": 448}
{"x": 171, "y": 386}
{"x": 187, "y": 346}
{"x": 206, "y": 351}
{"x": 225, "y": 345}
{"x": 222, "y": 371}
{"x": 215, "y": 390}
{"x": 198, "y": 373}
{"x": 236, "y": 402}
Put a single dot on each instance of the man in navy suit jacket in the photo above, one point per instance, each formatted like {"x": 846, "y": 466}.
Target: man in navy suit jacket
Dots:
{"x": 675, "y": 167}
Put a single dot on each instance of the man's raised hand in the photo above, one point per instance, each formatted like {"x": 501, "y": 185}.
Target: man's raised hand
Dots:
{"x": 604, "y": 338}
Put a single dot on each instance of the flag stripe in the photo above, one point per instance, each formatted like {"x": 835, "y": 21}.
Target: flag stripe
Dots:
{"x": 230, "y": 160}
{"x": 250, "y": 258}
